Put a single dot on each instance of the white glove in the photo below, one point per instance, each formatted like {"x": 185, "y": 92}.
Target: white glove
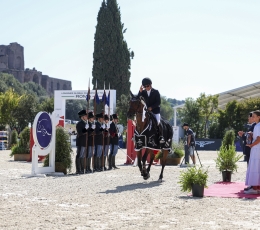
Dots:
{"x": 103, "y": 126}
{"x": 93, "y": 126}
{"x": 108, "y": 125}
{"x": 86, "y": 126}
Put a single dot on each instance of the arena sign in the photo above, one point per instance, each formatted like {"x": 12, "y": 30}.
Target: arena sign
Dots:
{"x": 60, "y": 97}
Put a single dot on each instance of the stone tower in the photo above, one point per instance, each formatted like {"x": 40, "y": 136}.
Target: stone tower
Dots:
{"x": 12, "y": 62}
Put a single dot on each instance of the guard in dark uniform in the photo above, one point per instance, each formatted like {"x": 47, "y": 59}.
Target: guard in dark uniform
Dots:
{"x": 106, "y": 139}
{"x": 113, "y": 131}
{"x": 81, "y": 141}
{"x": 153, "y": 101}
{"x": 99, "y": 142}
{"x": 91, "y": 144}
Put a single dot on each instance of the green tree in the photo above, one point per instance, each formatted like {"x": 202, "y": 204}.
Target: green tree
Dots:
{"x": 166, "y": 109}
{"x": 26, "y": 110}
{"x": 33, "y": 88}
{"x": 122, "y": 108}
{"x": 8, "y": 81}
{"x": 111, "y": 57}
{"x": 190, "y": 114}
{"x": 8, "y": 103}
{"x": 208, "y": 106}
{"x": 73, "y": 107}
{"x": 46, "y": 104}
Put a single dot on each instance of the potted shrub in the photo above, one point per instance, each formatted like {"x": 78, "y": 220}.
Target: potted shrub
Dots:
{"x": 194, "y": 179}
{"x": 227, "y": 158}
{"x": 21, "y": 151}
{"x": 174, "y": 157}
{"x": 63, "y": 150}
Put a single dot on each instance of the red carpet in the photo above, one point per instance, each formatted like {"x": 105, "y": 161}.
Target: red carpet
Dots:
{"x": 229, "y": 189}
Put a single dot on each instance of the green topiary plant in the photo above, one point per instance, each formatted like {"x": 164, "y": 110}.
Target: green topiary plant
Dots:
{"x": 193, "y": 175}
{"x": 229, "y": 139}
{"x": 227, "y": 159}
{"x": 63, "y": 149}
{"x": 23, "y": 145}
{"x": 14, "y": 138}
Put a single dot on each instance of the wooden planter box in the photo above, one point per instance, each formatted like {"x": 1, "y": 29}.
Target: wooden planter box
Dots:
{"x": 22, "y": 157}
{"x": 173, "y": 161}
{"x": 60, "y": 168}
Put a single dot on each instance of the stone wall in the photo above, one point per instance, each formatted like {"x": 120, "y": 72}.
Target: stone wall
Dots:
{"x": 12, "y": 62}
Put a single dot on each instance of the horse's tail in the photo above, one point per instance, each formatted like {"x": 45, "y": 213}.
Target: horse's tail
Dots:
{"x": 168, "y": 127}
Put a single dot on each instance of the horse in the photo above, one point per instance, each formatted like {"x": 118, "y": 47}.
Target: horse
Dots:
{"x": 146, "y": 135}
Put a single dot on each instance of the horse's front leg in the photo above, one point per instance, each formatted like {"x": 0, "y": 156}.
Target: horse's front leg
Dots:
{"x": 151, "y": 161}
{"x": 139, "y": 157}
{"x": 163, "y": 163}
{"x": 146, "y": 173}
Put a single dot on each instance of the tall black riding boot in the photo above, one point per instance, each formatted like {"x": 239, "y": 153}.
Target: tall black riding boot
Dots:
{"x": 114, "y": 162}
{"x": 95, "y": 164}
{"x": 81, "y": 165}
{"x": 88, "y": 165}
{"x": 98, "y": 164}
{"x": 161, "y": 138}
{"x": 109, "y": 162}
{"x": 77, "y": 161}
{"x": 105, "y": 159}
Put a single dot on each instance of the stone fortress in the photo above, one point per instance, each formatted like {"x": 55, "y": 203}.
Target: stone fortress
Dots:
{"x": 12, "y": 62}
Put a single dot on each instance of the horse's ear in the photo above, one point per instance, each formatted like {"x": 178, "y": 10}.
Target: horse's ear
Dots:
{"x": 131, "y": 94}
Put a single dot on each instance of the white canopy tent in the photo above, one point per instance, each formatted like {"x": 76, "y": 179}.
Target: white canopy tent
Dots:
{"x": 241, "y": 93}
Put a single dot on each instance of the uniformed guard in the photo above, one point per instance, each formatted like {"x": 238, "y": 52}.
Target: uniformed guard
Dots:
{"x": 153, "y": 101}
{"x": 99, "y": 142}
{"x": 113, "y": 131}
{"x": 81, "y": 141}
{"x": 91, "y": 145}
{"x": 106, "y": 139}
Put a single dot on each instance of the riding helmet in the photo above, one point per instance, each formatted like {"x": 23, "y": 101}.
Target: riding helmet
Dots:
{"x": 146, "y": 81}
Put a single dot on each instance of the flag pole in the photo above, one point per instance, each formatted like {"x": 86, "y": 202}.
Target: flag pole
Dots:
{"x": 93, "y": 141}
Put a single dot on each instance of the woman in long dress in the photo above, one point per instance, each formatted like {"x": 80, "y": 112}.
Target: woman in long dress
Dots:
{"x": 253, "y": 170}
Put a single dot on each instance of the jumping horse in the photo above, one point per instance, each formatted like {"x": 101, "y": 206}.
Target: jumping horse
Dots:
{"x": 146, "y": 135}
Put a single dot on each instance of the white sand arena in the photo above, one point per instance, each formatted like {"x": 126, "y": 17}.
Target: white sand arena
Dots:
{"x": 118, "y": 199}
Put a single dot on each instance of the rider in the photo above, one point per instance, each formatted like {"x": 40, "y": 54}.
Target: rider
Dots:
{"x": 153, "y": 100}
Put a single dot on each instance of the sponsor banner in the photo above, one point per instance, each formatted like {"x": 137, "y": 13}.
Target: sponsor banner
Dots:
{"x": 208, "y": 144}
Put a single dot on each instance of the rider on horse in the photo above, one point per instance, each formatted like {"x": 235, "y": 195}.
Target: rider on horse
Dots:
{"x": 153, "y": 100}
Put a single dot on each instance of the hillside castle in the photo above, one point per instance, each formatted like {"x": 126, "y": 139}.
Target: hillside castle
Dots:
{"x": 12, "y": 62}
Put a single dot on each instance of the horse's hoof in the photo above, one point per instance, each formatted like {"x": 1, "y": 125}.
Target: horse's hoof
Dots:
{"x": 160, "y": 180}
{"x": 147, "y": 176}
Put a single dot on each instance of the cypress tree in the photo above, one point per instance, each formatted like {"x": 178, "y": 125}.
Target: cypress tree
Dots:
{"x": 111, "y": 57}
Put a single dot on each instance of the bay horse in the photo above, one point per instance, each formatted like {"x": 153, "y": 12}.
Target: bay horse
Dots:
{"x": 146, "y": 135}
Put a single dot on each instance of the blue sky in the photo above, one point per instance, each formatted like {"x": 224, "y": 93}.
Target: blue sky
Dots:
{"x": 186, "y": 47}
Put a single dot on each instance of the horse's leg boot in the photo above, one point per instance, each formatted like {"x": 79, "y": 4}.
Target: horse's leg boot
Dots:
{"x": 161, "y": 138}
{"x": 88, "y": 165}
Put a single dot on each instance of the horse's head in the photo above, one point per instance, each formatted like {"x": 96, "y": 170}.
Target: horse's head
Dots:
{"x": 136, "y": 105}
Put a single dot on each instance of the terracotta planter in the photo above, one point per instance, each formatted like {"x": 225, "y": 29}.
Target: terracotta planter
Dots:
{"x": 60, "y": 168}
{"x": 173, "y": 161}
{"x": 22, "y": 157}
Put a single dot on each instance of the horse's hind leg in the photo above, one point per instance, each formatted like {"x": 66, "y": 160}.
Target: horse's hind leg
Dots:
{"x": 163, "y": 162}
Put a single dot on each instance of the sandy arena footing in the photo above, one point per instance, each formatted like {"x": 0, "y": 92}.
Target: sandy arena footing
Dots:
{"x": 118, "y": 199}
